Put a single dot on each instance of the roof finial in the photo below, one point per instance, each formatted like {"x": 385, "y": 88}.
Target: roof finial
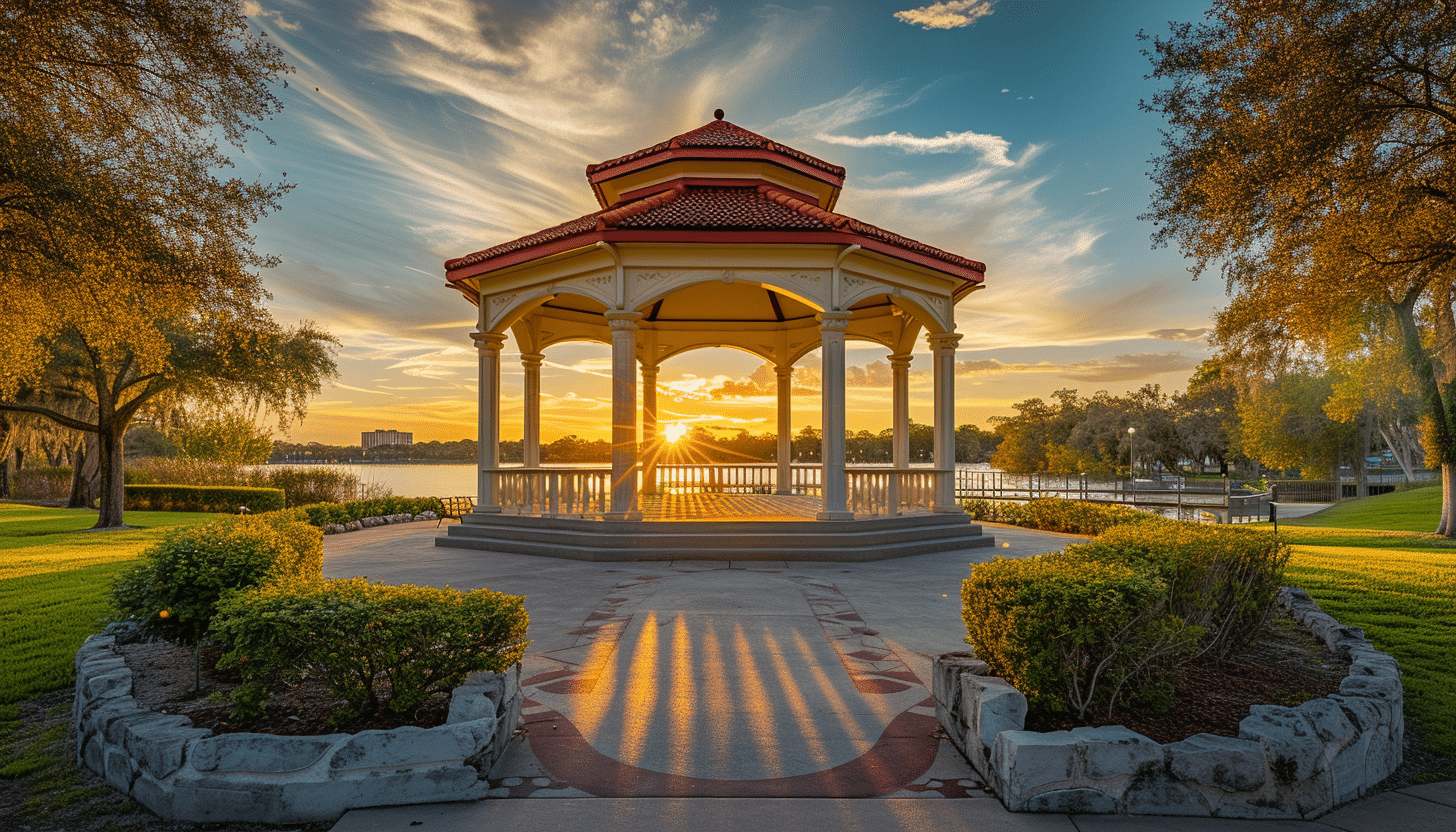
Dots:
{"x": 718, "y": 114}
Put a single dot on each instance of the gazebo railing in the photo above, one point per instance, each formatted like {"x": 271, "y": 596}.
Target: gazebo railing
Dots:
{"x": 554, "y": 492}
{"x": 735, "y": 478}
{"x": 710, "y": 478}
{"x": 892, "y": 491}
{"x": 586, "y": 491}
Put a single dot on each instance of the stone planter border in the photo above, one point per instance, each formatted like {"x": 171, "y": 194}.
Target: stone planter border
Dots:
{"x": 371, "y": 522}
{"x": 189, "y": 774}
{"x": 1296, "y": 762}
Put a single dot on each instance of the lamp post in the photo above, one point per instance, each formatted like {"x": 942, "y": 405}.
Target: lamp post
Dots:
{"x": 1132, "y": 462}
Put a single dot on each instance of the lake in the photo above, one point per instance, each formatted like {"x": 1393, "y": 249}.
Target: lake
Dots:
{"x": 451, "y": 480}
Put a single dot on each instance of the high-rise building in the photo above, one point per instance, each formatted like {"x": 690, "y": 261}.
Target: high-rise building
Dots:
{"x": 376, "y": 438}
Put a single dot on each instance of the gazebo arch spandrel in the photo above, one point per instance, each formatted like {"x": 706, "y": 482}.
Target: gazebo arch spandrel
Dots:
{"x": 716, "y": 238}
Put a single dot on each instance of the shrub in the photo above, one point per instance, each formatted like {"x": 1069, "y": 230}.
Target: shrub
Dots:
{"x": 41, "y": 483}
{"x": 1054, "y": 514}
{"x": 216, "y": 498}
{"x": 180, "y": 471}
{"x": 301, "y": 486}
{"x": 364, "y": 639}
{"x": 192, "y": 569}
{"x": 325, "y": 514}
{"x": 1222, "y": 579}
{"x": 307, "y": 485}
{"x": 1070, "y": 632}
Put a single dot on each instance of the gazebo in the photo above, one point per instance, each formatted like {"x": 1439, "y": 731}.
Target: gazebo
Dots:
{"x": 718, "y": 237}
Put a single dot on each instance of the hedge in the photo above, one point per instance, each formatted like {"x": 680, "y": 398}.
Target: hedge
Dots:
{"x": 41, "y": 483}
{"x": 1054, "y": 514}
{"x": 1222, "y": 579}
{"x": 215, "y": 498}
{"x": 175, "y": 592}
{"x": 365, "y": 641}
{"x": 1070, "y": 632}
{"x": 326, "y": 514}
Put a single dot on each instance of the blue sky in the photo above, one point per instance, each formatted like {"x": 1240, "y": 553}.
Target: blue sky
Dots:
{"x": 1006, "y": 131}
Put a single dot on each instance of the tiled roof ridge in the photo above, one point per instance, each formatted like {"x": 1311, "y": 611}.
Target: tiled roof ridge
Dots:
{"x": 521, "y": 242}
{"x": 804, "y": 207}
{"x": 843, "y": 222}
{"x": 677, "y": 142}
{"x": 609, "y": 218}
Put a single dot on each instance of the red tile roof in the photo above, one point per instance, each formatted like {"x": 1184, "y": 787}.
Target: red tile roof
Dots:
{"x": 718, "y": 133}
{"x": 693, "y": 208}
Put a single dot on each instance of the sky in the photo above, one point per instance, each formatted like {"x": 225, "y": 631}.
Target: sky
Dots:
{"x": 1008, "y": 132}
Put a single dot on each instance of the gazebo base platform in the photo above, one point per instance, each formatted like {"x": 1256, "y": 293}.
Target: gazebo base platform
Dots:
{"x": 879, "y": 538}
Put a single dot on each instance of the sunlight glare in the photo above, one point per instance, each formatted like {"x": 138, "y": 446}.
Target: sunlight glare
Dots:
{"x": 675, "y": 431}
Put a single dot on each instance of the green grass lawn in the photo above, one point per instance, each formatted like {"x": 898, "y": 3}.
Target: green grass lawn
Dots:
{"x": 1372, "y": 563}
{"x": 55, "y": 590}
{"x": 1417, "y": 510}
{"x": 55, "y": 581}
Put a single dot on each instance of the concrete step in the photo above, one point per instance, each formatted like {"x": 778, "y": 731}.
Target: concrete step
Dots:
{"x": 593, "y": 540}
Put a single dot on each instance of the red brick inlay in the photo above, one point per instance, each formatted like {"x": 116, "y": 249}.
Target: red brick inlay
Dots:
{"x": 903, "y": 752}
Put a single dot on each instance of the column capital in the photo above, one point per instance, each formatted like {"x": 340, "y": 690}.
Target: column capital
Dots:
{"x": 782, "y": 373}
{"x": 900, "y": 361}
{"x": 532, "y": 359}
{"x": 488, "y": 340}
{"x": 649, "y": 371}
{"x": 836, "y": 320}
{"x": 620, "y": 319}
{"x": 943, "y": 340}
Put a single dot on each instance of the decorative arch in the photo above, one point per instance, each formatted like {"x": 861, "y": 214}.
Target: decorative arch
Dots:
{"x": 683, "y": 350}
{"x": 807, "y": 286}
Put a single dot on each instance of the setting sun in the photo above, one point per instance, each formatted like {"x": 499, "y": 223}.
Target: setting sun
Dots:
{"x": 675, "y": 431}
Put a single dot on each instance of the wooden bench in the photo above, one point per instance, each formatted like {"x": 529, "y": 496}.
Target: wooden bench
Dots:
{"x": 454, "y": 508}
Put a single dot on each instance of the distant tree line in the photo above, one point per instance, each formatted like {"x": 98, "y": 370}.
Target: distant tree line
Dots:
{"x": 699, "y": 446}
{"x": 1238, "y": 416}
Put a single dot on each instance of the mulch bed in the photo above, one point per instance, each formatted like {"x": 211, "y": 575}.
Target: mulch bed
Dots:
{"x": 162, "y": 676}
{"x": 1284, "y": 666}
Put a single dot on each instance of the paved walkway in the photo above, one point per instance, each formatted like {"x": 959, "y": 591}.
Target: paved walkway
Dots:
{"x": 708, "y": 696}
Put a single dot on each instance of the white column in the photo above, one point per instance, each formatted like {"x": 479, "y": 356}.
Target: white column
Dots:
{"x": 900, "y": 408}
{"x": 942, "y": 350}
{"x": 832, "y": 326}
{"x": 784, "y": 479}
{"x": 531, "y": 433}
{"x": 487, "y": 348}
{"x": 651, "y": 449}
{"x": 624, "y": 415}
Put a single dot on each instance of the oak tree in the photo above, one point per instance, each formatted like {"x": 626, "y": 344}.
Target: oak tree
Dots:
{"x": 1308, "y": 158}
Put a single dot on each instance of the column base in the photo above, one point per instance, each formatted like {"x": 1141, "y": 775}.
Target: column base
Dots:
{"x": 486, "y": 510}
{"x": 622, "y": 515}
{"x": 834, "y": 515}
{"x": 783, "y": 492}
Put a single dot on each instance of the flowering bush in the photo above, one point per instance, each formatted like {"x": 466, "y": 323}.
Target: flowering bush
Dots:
{"x": 192, "y": 569}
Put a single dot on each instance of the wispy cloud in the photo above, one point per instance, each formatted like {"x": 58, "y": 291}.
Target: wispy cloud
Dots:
{"x": 857, "y": 105}
{"x": 951, "y": 14}
{"x": 274, "y": 19}
{"x": 993, "y": 149}
{"x": 1200, "y": 334}
{"x": 1139, "y": 367}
